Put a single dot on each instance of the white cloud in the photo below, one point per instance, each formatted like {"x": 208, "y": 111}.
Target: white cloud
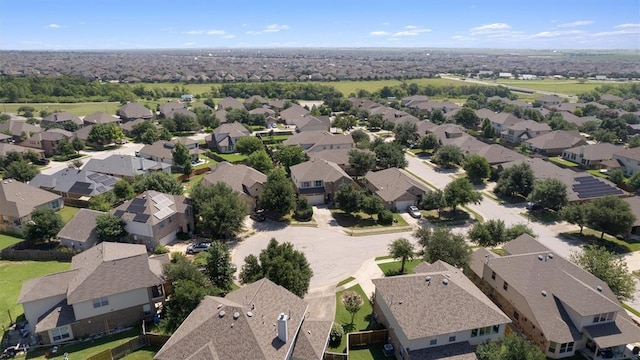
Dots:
{"x": 576, "y": 23}
{"x": 624, "y": 29}
{"x": 229, "y": 36}
{"x": 409, "y": 27}
{"x": 55, "y": 26}
{"x": 251, "y": 32}
{"x": 194, "y": 32}
{"x": 410, "y": 30}
{"x": 490, "y": 28}
{"x": 216, "y": 32}
{"x": 385, "y": 23}
{"x": 627, "y": 26}
{"x": 551, "y": 34}
{"x": 378, "y": 33}
{"x": 275, "y": 28}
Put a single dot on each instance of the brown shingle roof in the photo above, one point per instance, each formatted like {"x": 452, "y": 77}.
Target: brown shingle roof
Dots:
{"x": 601, "y": 151}
{"x": 559, "y": 139}
{"x": 393, "y": 183}
{"x": 633, "y": 153}
{"x": 82, "y": 227}
{"x": 446, "y": 303}
{"x": 19, "y": 199}
{"x": 237, "y": 177}
{"x": 133, "y": 110}
{"x": 46, "y": 286}
{"x": 100, "y": 118}
{"x": 318, "y": 170}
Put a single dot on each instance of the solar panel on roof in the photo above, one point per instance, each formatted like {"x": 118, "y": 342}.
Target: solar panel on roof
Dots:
{"x": 101, "y": 178}
{"x": 109, "y": 181}
{"x": 119, "y": 213}
{"x": 138, "y": 202}
{"x": 136, "y": 209}
{"x": 141, "y": 218}
{"x": 93, "y": 176}
{"x": 159, "y": 198}
{"x": 81, "y": 188}
{"x": 163, "y": 213}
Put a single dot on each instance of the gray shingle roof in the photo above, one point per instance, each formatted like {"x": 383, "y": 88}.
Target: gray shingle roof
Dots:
{"x": 150, "y": 203}
{"x": 124, "y": 165}
{"x": 74, "y": 181}
{"x": 455, "y": 351}
{"x": 601, "y": 151}
{"x": 82, "y": 227}
{"x": 99, "y": 117}
{"x": 559, "y": 139}
{"x": 230, "y": 102}
{"x": 17, "y": 128}
{"x": 19, "y": 199}
{"x": 64, "y": 116}
{"x": 46, "y": 286}
{"x": 252, "y": 334}
{"x": 338, "y": 156}
{"x": 133, "y": 110}
{"x": 5, "y": 148}
{"x": 237, "y": 177}
{"x": 318, "y": 170}
{"x": 447, "y": 303}
{"x": 393, "y": 183}
{"x": 498, "y": 154}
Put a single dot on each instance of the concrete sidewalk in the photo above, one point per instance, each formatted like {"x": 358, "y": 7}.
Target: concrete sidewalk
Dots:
{"x": 369, "y": 270}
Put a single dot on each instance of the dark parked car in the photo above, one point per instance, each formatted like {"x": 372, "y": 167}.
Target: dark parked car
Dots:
{"x": 196, "y": 248}
{"x": 258, "y": 215}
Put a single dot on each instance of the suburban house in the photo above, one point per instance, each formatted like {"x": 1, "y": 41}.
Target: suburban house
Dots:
{"x": 312, "y": 141}
{"x": 184, "y": 112}
{"x": 125, "y": 166}
{"x": 162, "y": 151}
{"x": 266, "y": 112}
{"x": 293, "y": 114}
{"x": 591, "y": 155}
{"x": 626, "y": 159}
{"x": 524, "y": 130}
{"x": 313, "y": 123}
{"x": 559, "y": 306}
{"x": 132, "y": 111}
{"x": 549, "y": 100}
{"x": 499, "y": 121}
{"x": 47, "y": 141}
{"x": 259, "y": 321}
{"x": 109, "y": 286}
{"x": 221, "y": 115}
{"x": 498, "y": 154}
{"x": 71, "y": 183}
{"x": 229, "y": 103}
{"x": 255, "y": 99}
{"x": 18, "y": 200}
{"x": 413, "y": 99}
{"x": 397, "y": 189}
{"x": 166, "y": 108}
{"x": 61, "y": 118}
{"x": 339, "y": 157}
{"x": 225, "y": 136}
{"x": 99, "y": 117}
{"x": 555, "y": 142}
{"x": 318, "y": 180}
{"x": 634, "y": 203}
{"x": 80, "y": 232}
{"x": 7, "y": 148}
{"x": 581, "y": 186}
{"x": 436, "y": 313}
{"x": 127, "y": 127}
{"x": 19, "y": 130}
{"x": 243, "y": 179}
{"x": 153, "y": 218}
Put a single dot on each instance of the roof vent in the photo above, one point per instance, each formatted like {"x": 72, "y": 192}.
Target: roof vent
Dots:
{"x": 427, "y": 279}
{"x": 219, "y": 306}
{"x": 550, "y": 255}
{"x": 599, "y": 288}
{"x": 249, "y": 314}
{"x": 236, "y": 315}
{"x": 445, "y": 281}
{"x": 540, "y": 257}
{"x": 221, "y": 313}
{"x": 544, "y": 293}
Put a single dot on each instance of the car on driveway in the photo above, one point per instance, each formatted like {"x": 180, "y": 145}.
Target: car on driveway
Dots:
{"x": 199, "y": 247}
{"x": 258, "y": 215}
{"x": 414, "y": 212}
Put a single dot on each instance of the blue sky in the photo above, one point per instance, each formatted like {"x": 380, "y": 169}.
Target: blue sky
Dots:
{"x": 146, "y": 24}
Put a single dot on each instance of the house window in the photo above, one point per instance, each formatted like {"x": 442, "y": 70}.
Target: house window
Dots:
{"x": 433, "y": 342}
{"x": 60, "y": 333}
{"x": 474, "y": 332}
{"x": 563, "y": 348}
{"x": 318, "y": 183}
{"x": 496, "y": 329}
{"x": 146, "y": 308}
{"x": 493, "y": 275}
{"x": 610, "y": 316}
{"x": 596, "y": 318}
{"x": 552, "y": 347}
{"x": 516, "y": 315}
{"x": 452, "y": 338}
{"x": 305, "y": 184}
{"x": 101, "y": 301}
{"x": 505, "y": 285}
{"x": 570, "y": 347}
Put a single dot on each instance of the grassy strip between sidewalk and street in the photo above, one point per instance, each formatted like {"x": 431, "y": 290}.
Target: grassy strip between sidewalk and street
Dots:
{"x": 631, "y": 310}
{"x": 346, "y": 281}
{"x": 386, "y": 257}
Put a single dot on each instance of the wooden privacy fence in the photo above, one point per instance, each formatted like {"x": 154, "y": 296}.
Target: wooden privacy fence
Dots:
{"x": 121, "y": 351}
{"x": 36, "y": 255}
{"x": 364, "y": 338}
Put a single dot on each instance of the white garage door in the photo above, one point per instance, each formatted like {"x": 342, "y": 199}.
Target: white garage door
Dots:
{"x": 315, "y": 199}
{"x": 403, "y": 205}
{"x": 169, "y": 238}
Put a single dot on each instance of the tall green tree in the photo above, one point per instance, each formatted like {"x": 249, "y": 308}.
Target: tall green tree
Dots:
{"x": 489, "y": 233}
{"x": 103, "y": 134}
{"x": 277, "y": 197}
{"x": 362, "y": 161}
{"x": 359, "y": 136}
{"x": 467, "y": 118}
{"x": 45, "y": 223}
{"x": 283, "y": 265}
{"x": 609, "y": 268}
{"x": 288, "y": 156}
{"x": 218, "y": 266}
{"x": 406, "y": 132}
{"x": 371, "y": 204}
{"x": 434, "y": 200}
{"x": 184, "y": 122}
{"x": 610, "y": 215}
{"x": 429, "y": 142}
{"x": 21, "y": 171}
{"x": 110, "y": 227}
{"x": 348, "y": 199}
{"x": 515, "y": 180}
{"x": 477, "y": 168}
{"x": 260, "y": 161}
{"x": 352, "y": 302}
{"x": 389, "y": 155}
{"x": 123, "y": 189}
{"x": 249, "y": 144}
{"x": 401, "y": 249}
{"x": 448, "y": 155}
{"x": 549, "y": 193}
{"x": 159, "y": 181}
{"x": 181, "y": 157}
{"x": 77, "y": 143}
{"x": 442, "y": 244}
{"x": 219, "y": 210}
{"x": 511, "y": 347}
{"x": 460, "y": 192}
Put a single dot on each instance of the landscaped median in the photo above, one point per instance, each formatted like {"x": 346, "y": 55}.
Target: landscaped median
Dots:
{"x": 359, "y": 224}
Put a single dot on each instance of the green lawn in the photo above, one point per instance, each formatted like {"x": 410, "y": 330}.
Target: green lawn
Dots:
{"x": 348, "y": 87}
{"x": 145, "y": 353}
{"x": 346, "y": 281}
{"x": 570, "y": 87}
{"x": 233, "y": 157}
{"x": 68, "y": 212}
{"x": 361, "y": 320}
{"x": 393, "y": 268}
{"x": 542, "y": 216}
{"x": 86, "y": 349}
{"x": 385, "y": 257}
{"x": 362, "y": 220}
{"x": 372, "y": 352}
{"x": 13, "y": 274}
{"x": 79, "y": 109}
{"x": 612, "y": 243}
{"x": 598, "y": 173}
{"x": 8, "y": 240}
{"x": 562, "y": 162}
{"x": 447, "y": 217}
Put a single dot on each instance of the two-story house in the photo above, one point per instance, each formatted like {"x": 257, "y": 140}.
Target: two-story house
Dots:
{"x": 318, "y": 180}
{"x": 61, "y": 118}
{"x": 162, "y": 151}
{"x": 559, "y": 306}
{"x": 436, "y": 312}
{"x": 499, "y": 121}
{"x": 555, "y": 142}
{"x": 224, "y": 137}
{"x": 524, "y": 130}
{"x": 19, "y": 130}
{"x": 47, "y": 141}
{"x": 243, "y": 179}
{"x": 311, "y": 141}
{"x": 99, "y": 117}
{"x": 397, "y": 189}
{"x": 71, "y": 183}
{"x": 125, "y": 166}
{"x": 132, "y": 111}
{"x": 591, "y": 155}
{"x": 627, "y": 159}
{"x": 154, "y": 218}
{"x": 110, "y": 285}
{"x": 18, "y": 200}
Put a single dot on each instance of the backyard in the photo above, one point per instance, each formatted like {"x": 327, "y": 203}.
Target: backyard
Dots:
{"x": 67, "y": 213}
{"x": 361, "y": 321}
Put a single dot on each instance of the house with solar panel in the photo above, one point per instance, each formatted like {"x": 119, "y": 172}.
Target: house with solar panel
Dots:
{"x": 71, "y": 183}
{"x": 153, "y": 218}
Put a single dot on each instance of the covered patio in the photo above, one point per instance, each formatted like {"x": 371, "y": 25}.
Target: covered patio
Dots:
{"x": 609, "y": 340}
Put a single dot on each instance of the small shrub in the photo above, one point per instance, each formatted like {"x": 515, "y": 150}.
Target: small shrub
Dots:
{"x": 336, "y": 334}
{"x": 183, "y": 236}
{"x": 160, "y": 249}
{"x": 385, "y": 217}
{"x": 304, "y": 211}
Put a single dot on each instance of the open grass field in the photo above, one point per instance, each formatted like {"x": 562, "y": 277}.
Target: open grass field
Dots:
{"x": 361, "y": 321}
{"x": 80, "y": 109}
{"x": 8, "y": 240}
{"x": 13, "y": 274}
{"x": 570, "y": 87}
